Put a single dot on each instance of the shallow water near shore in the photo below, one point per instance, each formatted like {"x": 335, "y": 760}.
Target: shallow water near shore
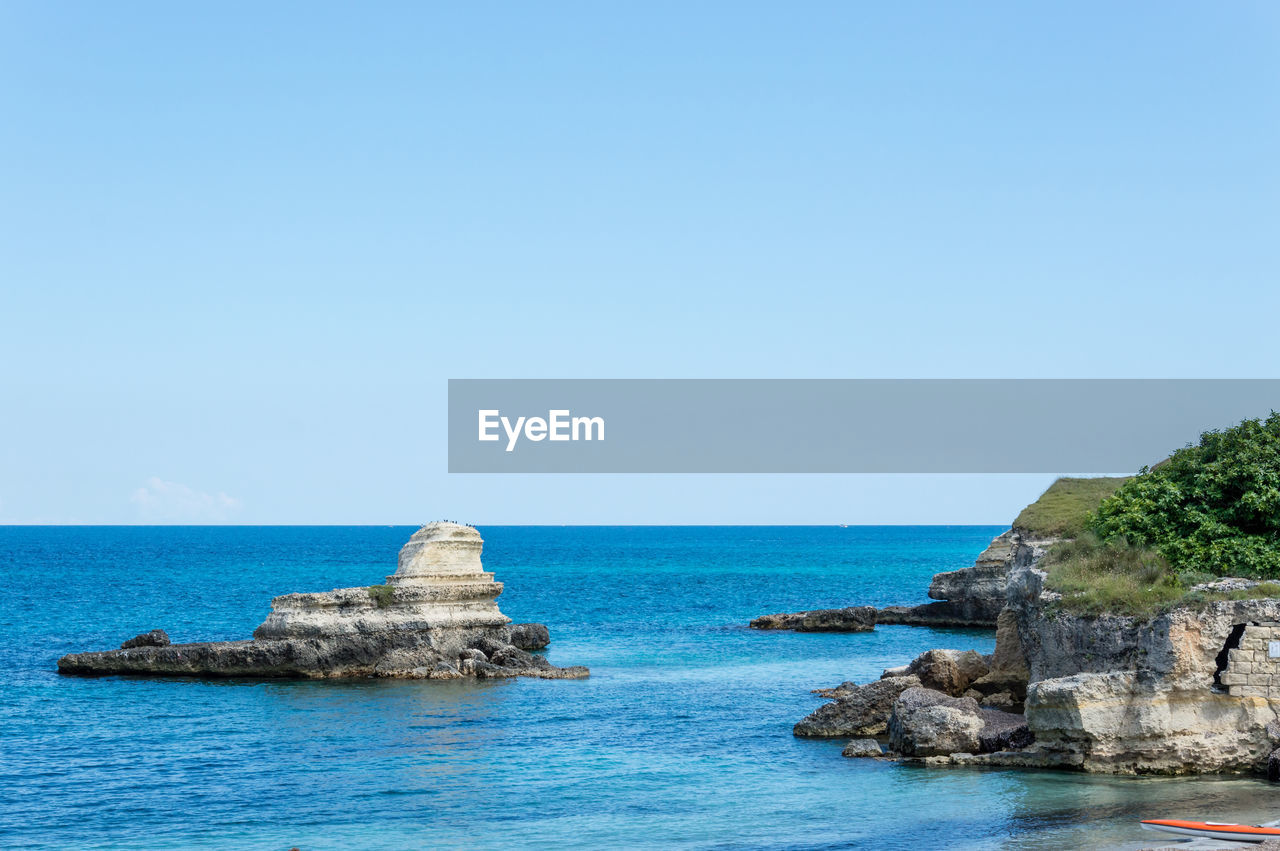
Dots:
{"x": 682, "y": 735}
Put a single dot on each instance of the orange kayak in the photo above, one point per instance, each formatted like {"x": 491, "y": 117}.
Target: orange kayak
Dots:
{"x": 1214, "y": 829}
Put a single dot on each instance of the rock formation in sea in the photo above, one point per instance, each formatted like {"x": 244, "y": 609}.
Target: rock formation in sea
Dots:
{"x": 968, "y": 597}
{"x": 1193, "y": 690}
{"x": 851, "y": 619}
{"x": 436, "y": 617}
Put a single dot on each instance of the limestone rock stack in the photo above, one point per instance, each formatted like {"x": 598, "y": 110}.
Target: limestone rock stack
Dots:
{"x": 436, "y": 617}
{"x": 438, "y": 584}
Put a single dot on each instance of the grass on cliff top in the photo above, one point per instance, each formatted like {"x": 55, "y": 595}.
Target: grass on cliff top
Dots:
{"x": 382, "y": 595}
{"x": 1064, "y": 509}
{"x": 1115, "y": 577}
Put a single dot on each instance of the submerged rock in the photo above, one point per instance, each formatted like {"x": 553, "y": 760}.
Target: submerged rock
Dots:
{"x": 862, "y": 748}
{"x": 436, "y": 617}
{"x": 850, "y": 619}
{"x": 857, "y": 711}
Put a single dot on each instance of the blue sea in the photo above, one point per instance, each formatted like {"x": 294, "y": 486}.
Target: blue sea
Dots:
{"x": 680, "y": 738}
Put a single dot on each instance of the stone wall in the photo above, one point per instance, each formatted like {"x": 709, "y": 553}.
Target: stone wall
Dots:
{"x": 1253, "y": 667}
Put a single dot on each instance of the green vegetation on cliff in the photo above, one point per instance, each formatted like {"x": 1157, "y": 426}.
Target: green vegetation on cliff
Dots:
{"x": 1096, "y": 576}
{"x": 1212, "y": 507}
{"x": 1064, "y": 510}
{"x": 382, "y": 595}
{"x": 1140, "y": 545}
{"x": 1115, "y": 577}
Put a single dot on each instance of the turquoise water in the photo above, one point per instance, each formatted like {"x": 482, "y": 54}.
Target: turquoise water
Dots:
{"x": 682, "y": 735}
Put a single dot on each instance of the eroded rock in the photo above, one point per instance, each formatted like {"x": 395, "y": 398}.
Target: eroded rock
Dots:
{"x": 862, "y": 748}
{"x": 1003, "y": 731}
{"x": 850, "y": 619}
{"x": 1119, "y": 694}
{"x": 436, "y": 617}
{"x": 926, "y": 722}
{"x": 857, "y": 712}
{"x": 949, "y": 671}
{"x": 154, "y": 638}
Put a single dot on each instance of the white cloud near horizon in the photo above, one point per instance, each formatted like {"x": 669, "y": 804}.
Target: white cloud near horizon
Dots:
{"x": 160, "y": 501}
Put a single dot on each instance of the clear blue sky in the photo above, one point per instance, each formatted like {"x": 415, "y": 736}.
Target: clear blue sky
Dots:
{"x": 243, "y": 246}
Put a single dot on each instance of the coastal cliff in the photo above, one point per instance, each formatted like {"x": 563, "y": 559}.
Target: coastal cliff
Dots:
{"x": 1192, "y": 690}
{"x": 436, "y": 617}
{"x": 1126, "y": 641}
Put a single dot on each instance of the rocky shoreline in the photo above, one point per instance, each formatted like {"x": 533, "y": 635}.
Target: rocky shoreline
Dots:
{"x": 971, "y": 597}
{"x": 436, "y": 617}
{"x": 1195, "y": 690}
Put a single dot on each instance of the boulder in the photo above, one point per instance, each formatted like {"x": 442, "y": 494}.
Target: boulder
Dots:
{"x": 949, "y": 671}
{"x": 849, "y": 619}
{"x": 862, "y": 747}
{"x": 154, "y": 638}
{"x": 926, "y": 722}
{"x": 861, "y": 711}
{"x": 1003, "y": 731}
{"x": 1273, "y": 766}
{"x": 529, "y": 636}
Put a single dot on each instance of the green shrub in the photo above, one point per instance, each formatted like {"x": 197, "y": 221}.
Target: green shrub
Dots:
{"x": 1213, "y": 507}
{"x": 382, "y": 595}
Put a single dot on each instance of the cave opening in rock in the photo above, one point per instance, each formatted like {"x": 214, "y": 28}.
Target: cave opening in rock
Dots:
{"x": 1233, "y": 641}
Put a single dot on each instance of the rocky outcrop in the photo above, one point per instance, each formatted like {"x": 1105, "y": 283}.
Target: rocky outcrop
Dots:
{"x": 944, "y": 614}
{"x": 154, "y": 638}
{"x": 1004, "y": 686}
{"x": 976, "y": 595}
{"x": 949, "y": 671}
{"x": 1192, "y": 690}
{"x": 851, "y": 619}
{"x": 856, "y": 710}
{"x": 436, "y": 617}
{"x": 969, "y": 597}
